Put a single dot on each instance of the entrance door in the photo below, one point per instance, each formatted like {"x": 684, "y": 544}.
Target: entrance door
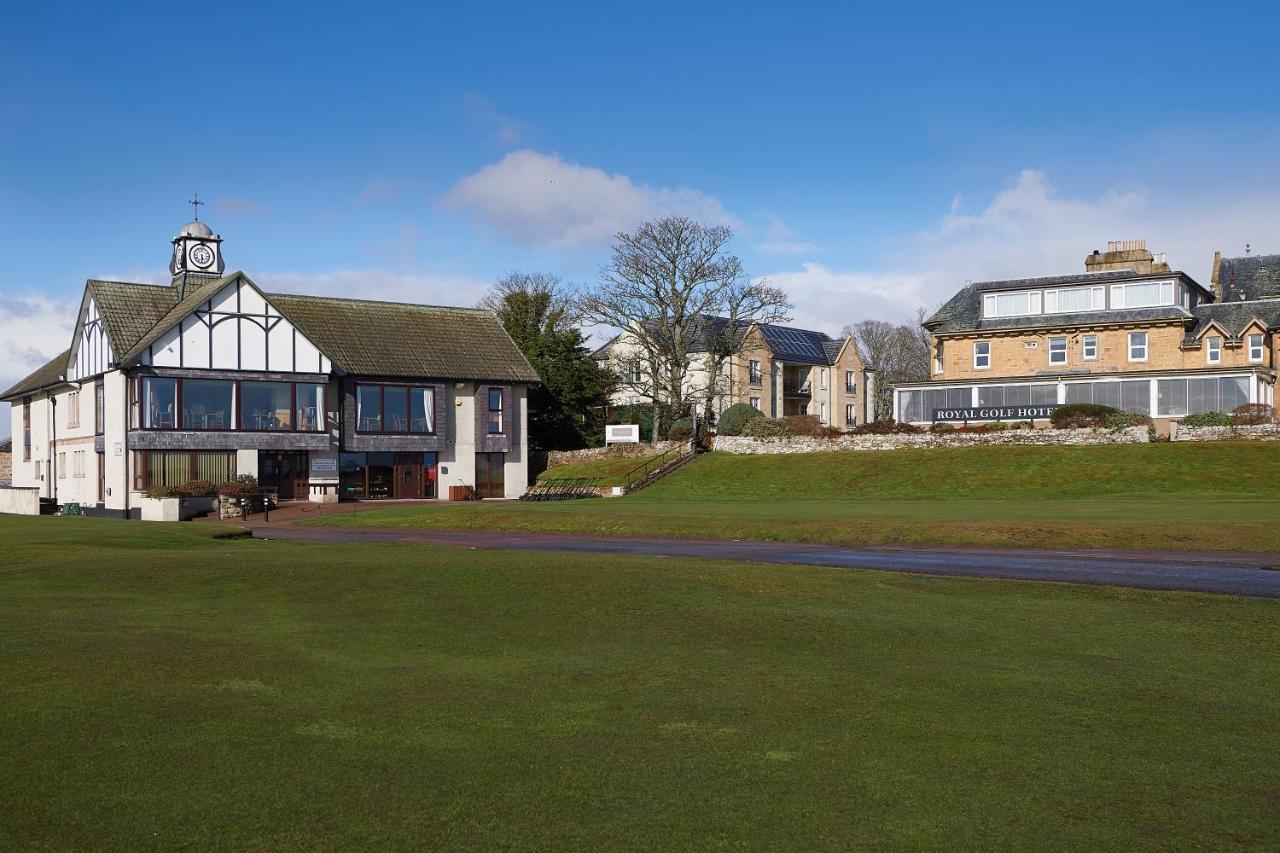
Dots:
{"x": 284, "y": 471}
{"x": 408, "y": 482}
{"x": 489, "y": 475}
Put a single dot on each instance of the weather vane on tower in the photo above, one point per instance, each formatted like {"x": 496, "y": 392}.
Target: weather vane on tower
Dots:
{"x": 195, "y": 203}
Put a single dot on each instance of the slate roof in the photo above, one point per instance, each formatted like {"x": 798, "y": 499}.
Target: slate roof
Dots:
{"x": 399, "y": 339}
{"x": 1250, "y": 277}
{"x": 128, "y": 310}
{"x": 6, "y": 445}
{"x": 1235, "y": 317}
{"x": 788, "y": 343}
{"x": 51, "y": 373}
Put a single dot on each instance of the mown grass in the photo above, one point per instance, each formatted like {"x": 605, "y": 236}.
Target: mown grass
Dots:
{"x": 166, "y": 690}
{"x": 1158, "y": 496}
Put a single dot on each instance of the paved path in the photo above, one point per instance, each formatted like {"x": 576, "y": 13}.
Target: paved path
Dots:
{"x": 1236, "y": 574}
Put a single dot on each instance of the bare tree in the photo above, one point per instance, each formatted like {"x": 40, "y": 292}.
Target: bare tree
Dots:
{"x": 663, "y": 281}
{"x": 741, "y": 304}
{"x": 897, "y": 352}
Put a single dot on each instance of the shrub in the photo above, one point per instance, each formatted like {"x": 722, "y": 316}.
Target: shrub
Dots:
{"x": 767, "y": 428}
{"x": 942, "y": 427}
{"x": 1123, "y": 420}
{"x": 1207, "y": 419}
{"x": 681, "y": 429}
{"x": 1252, "y": 413}
{"x": 735, "y": 417}
{"x": 162, "y": 492}
{"x": 808, "y": 425}
{"x": 196, "y": 489}
{"x": 245, "y": 484}
{"x": 887, "y": 426}
{"x": 1078, "y": 415}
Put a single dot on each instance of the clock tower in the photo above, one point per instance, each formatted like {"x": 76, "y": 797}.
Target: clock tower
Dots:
{"x": 197, "y": 254}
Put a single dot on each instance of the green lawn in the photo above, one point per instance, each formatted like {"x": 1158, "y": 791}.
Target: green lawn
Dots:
{"x": 165, "y": 690}
{"x": 610, "y": 471}
{"x": 1159, "y": 496}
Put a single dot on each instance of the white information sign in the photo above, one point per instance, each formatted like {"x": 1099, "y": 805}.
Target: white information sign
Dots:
{"x": 622, "y": 434}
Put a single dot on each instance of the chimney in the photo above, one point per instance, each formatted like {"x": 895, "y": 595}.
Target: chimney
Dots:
{"x": 1126, "y": 255}
{"x": 1215, "y": 277}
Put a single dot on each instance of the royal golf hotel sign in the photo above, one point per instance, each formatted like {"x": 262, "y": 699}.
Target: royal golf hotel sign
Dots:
{"x": 995, "y": 413}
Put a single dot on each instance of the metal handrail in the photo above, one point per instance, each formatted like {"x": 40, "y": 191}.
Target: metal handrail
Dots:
{"x": 653, "y": 464}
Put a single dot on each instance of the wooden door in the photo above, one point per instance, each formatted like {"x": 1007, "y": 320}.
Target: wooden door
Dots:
{"x": 408, "y": 476}
{"x": 300, "y": 475}
{"x": 490, "y": 482}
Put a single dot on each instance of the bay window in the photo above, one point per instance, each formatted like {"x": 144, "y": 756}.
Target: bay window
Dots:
{"x": 1014, "y": 304}
{"x": 159, "y": 403}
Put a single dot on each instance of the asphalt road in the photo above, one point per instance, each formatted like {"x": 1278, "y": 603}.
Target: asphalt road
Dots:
{"x": 1226, "y": 573}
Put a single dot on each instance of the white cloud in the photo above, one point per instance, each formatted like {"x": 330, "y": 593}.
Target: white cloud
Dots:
{"x": 507, "y": 130}
{"x": 1029, "y": 229}
{"x": 543, "y": 200}
{"x": 33, "y": 329}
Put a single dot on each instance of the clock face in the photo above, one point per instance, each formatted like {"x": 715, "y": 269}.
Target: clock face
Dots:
{"x": 201, "y": 256}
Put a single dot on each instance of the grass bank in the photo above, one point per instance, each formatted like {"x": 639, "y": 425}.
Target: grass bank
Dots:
{"x": 166, "y": 690}
{"x": 610, "y": 471}
{"x": 1157, "y": 496}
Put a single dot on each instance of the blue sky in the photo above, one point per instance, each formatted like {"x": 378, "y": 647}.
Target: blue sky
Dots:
{"x": 870, "y": 159}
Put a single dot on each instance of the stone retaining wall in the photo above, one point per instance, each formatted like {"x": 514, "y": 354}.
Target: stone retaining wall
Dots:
{"x": 563, "y": 457}
{"x": 1030, "y": 437}
{"x": 1258, "y": 432}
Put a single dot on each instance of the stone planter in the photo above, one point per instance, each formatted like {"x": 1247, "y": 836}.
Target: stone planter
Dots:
{"x": 174, "y": 509}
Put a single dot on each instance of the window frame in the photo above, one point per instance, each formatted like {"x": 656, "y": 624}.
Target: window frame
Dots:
{"x": 1145, "y": 346}
{"x": 1089, "y": 343}
{"x": 850, "y": 415}
{"x": 754, "y": 402}
{"x": 26, "y": 429}
{"x": 382, "y": 407}
{"x": 1213, "y": 349}
{"x": 500, "y": 411}
{"x": 1062, "y": 339}
{"x": 755, "y": 376}
{"x": 985, "y": 355}
{"x": 73, "y": 409}
{"x": 850, "y": 382}
{"x": 1121, "y": 290}
{"x": 991, "y": 304}
{"x": 1261, "y": 348}
{"x": 99, "y": 409}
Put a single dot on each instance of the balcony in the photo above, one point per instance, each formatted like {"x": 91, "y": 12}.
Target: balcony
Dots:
{"x": 797, "y": 389}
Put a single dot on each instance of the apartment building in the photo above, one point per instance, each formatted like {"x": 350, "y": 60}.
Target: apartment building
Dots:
{"x": 1129, "y": 332}
{"x": 780, "y": 370}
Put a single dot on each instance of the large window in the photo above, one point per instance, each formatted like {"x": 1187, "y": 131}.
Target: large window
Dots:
{"x": 1015, "y": 304}
{"x": 1057, "y": 350}
{"x": 1063, "y": 300}
{"x": 753, "y": 372}
{"x": 310, "y": 415}
{"x": 1017, "y": 395}
{"x": 1130, "y": 395}
{"x": 207, "y": 404}
{"x": 1176, "y": 397}
{"x": 920, "y": 405}
{"x": 1137, "y": 346}
{"x": 159, "y": 403}
{"x": 173, "y": 468}
{"x": 266, "y": 406}
{"x": 1146, "y": 294}
{"x": 395, "y": 409}
{"x": 981, "y": 355}
{"x": 495, "y": 411}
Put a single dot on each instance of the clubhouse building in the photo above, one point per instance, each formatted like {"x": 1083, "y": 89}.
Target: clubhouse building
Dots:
{"x": 322, "y": 399}
{"x": 1129, "y": 332}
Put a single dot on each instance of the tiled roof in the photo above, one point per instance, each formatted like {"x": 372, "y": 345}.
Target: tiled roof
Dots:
{"x": 196, "y": 295}
{"x": 788, "y": 343}
{"x": 832, "y": 349}
{"x": 1235, "y": 317}
{"x": 1250, "y": 277}
{"x": 129, "y": 310}
{"x": 399, "y": 339}
{"x": 6, "y": 445}
{"x": 51, "y": 373}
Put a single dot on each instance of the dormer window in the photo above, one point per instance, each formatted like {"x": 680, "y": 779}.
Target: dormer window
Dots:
{"x": 1213, "y": 350}
{"x": 1145, "y": 294}
{"x": 1017, "y": 303}
{"x": 1064, "y": 300}
{"x": 1256, "y": 349}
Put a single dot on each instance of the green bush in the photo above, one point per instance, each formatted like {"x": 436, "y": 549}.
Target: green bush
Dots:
{"x": 1252, "y": 413}
{"x": 1078, "y": 415}
{"x": 1207, "y": 419}
{"x": 735, "y": 417}
{"x": 1122, "y": 420}
{"x": 681, "y": 429}
{"x": 888, "y": 426}
{"x": 942, "y": 428}
{"x": 245, "y": 484}
{"x": 767, "y": 428}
